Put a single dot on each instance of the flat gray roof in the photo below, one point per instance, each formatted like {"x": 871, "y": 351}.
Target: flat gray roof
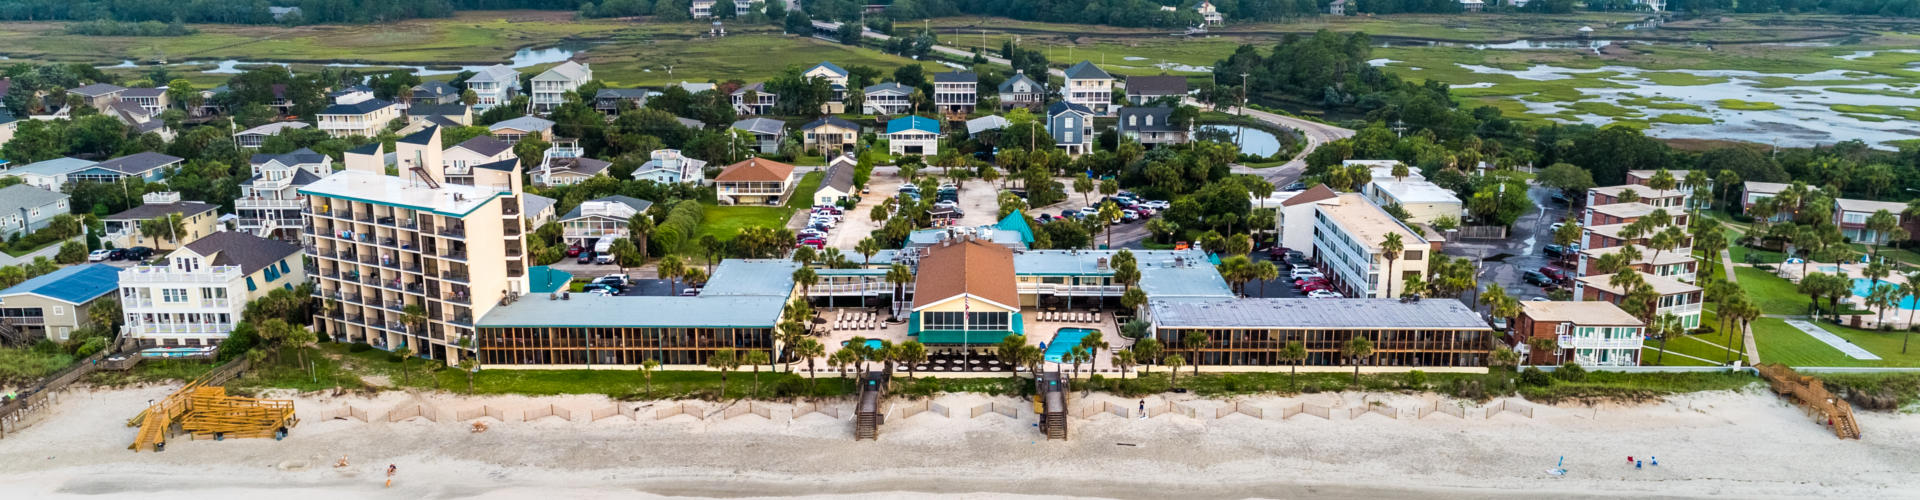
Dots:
{"x": 1086, "y": 262}
{"x": 588, "y": 310}
{"x": 1441, "y": 314}
{"x": 1202, "y": 281}
{"x": 752, "y": 277}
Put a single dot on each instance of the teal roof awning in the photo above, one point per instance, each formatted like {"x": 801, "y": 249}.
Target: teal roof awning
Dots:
{"x": 544, "y": 279}
{"x": 1017, "y": 222}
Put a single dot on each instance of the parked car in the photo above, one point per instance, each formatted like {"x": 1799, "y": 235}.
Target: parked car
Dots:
{"x": 574, "y": 250}
{"x": 586, "y": 257}
{"x": 1129, "y": 216}
{"x": 1318, "y": 287}
{"x": 617, "y": 280}
{"x": 1324, "y": 294}
{"x": 1554, "y": 272}
{"x": 98, "y": 255}
{"x": 1305, "y": 273}
{"x": 1044, "y": 218}
{"x": 690, "y": 292}
{"x": 1555, "y": 251}
{"x": 139, "y": 253}
{"x": 1556, "y": 226}
{"x": 117, "y": 254}
{"x": 1156, "y": 204}
{"x": 1561, "y": 198}
{"x": 1088, "y": 211}
{"x": 816, "y": 243}
{"x": 605, "y": 258}
{"x": 1537, "y": 278}
{"x": 591, "y": 287}
{"x": 1296, "y": 186}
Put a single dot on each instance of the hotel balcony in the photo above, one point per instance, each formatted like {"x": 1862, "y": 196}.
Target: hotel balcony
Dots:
{"x": 162, "y": 274}
{"x": 1596, "y": 343}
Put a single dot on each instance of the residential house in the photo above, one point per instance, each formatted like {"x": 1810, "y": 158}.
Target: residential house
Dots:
{"x": 269, "y": 202}
{"x": 256, "y": 136}
{"x": 1089, "y": 86}
{"x": 435, "y": 92}
{"x": 702, "y": 9}
{"x": 1851, "y": 215}
{"x": 538, "y": 210}
{"x": 956, "y": 92}
{"x": 460, "y": 160}
{"x": 1208, "y": 14}
{"x": 981, "y": 125}
{"x": 836, "y": 78}
{"x": 1642, "y": 177}
{"x": 965, "y": 293}
{"x": 1337, "y": 8}
{"x": 354, "y": 116}
{"x": 1071, "y": 126}
{"x": 768, "y": 134}
{"x": 1678, "y": 264}
{"x": 151, "y": 100}
{"x": 608, "y": 100}
{"x": 199, "y": 294}
{"x": 494, "y": 85}
{"x": 1672, "y": 200}
{"x": 1348, "y": 238}
{"x": 1152, "y": 127}
{"x": 148, "y": 166}
{"x": 757, "y": 181}
{"x": 668, "y": 166}
{"x": 890, "y": 98}
{"x": 830, "y": 136}
{"x": 1754, "y": 191}
{"x": 913, "y": 135}
{"x": 441, "y": 115}
{"x": 197, "y": 220}
{"x": 8, "y": 125}
{"x": 513, "y": 130}
{"x": 836, "y": 185}
{"x": 762, "y": 102}
{"x": 566, "y": 164}
{"x": 600, "y": 217}
{"x": 25, "y": 209}
{"x": 1424, "y": 201}
{"x": 1021, "y": 91}
{"x": 53, "y": 305}
{"x": 138, "y": 118}
{"x": 1588, "y": 333}
{"x": 1142, "y": 90}
{"x": 551, "y": 86}
{"x": 98, "y": 95}
{"x": 1675, "y": 297}
{"x": 50, "y": 175}
{"x": 1472, "y": 5}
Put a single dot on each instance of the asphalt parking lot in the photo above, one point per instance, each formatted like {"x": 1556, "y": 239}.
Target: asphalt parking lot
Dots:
{"x": 1505, "y": 261}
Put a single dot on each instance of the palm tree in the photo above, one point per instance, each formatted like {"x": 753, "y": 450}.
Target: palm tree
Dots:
{"x": 406, "y": 354}
{"x": 671, "y": 267}
{"x": 1293, "y": 354}
{"x": 1031, "y": 357}
{"x": 899, "y": 276}
{"x": 1390, "y": 249}
{"x": 1663, "y": 328}
{"x": 1502, "y": 356}
{"x": 806, "y": 278}
{"x": 1875, "y": 271}
{"x": 470, "y": 365}
{"x": 754, "y": 359}
{"x": 1195, "y": 340}
{"x": 1174, "y": 362}
{"x": 723, "y": 360}
{"x": 646, "y": 373}
{"x": 1144, "y": 352}
{"x": 809, "y": 349}
{"x": 1910, "y": 290}
{"x": 1078, "y": 354}
{"x": 1109, "y": 213}
{"x": 714, "y": 248}
{"x": 1084, "y": 185}
{"x": 843, "y": 359}
{"x": 1123, "y": 360}
{"x": 1132, "y": 299}
{"x": 866, "y": 248}
{"x": 639, "y": 228}
{"x": 1355, "y": 349}
{"x": 1546, "y": 344}
{"x": 1884, "y": 297}
{"x": 1094, "y": 342}
{"x": 1009, "y": 351}
{"x": 1264, "y": 271}
{"x": 911, "y": 353}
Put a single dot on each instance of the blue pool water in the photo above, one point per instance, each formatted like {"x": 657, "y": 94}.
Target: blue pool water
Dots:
{"x": 1829, "y": 269}
{"x": 1863, "y": 287}
{"x": 1063, "y": 342}
{"x": 871, "y": 344}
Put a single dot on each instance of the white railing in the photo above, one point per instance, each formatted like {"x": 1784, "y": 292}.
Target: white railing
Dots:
{"x": 1594, "y": 343}
{"x": 1681, "y": 310}
{"x": 164, "y": 274}
{"x": 139, "y": 303}
{"x": 253, "y": 203}
{"x": 592, "y": 234}
{"x": 1056, "y": 289}
{"x": 838, "y": 288}
{"x": 177, "y": 329}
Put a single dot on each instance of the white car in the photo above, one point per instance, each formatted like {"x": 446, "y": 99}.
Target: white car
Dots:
{"x": 1323, "y": 294}
{"x": 1089, "y": 211}
{"x": 1299, "y": 274}
{"x": 98, "y": 255}
{"x": 1557, "y": 225}
{"x": 1156, "y": 204}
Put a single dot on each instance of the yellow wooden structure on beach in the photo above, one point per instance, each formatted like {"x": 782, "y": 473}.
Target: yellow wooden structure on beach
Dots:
{"x": 205, "y": 411}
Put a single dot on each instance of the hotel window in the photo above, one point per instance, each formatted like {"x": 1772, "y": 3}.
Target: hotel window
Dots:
{"x": 173, "y": 295}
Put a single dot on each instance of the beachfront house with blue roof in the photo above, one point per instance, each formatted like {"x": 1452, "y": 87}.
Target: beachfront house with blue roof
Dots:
{"x": 50, "y": 174}
{"x": 913, "y": 135}
{"x": 53, "y": 305}
{"x": 148, "y": 166}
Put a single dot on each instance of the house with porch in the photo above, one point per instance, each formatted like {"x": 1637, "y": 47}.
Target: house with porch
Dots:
{"x": 52, "y": 306}
{"x": 608, "y": 100}
{"x": 888, "y": 98}
{"x": 830, "y": 136}
{"x": 1021, "y": 91}
{"x": 956, "y": 92}
{"x": 913, "y": 135}
{"x": 1588, "y": 333}
{"x": 836, "y": 78}
{"x": 199, "y": 294}
{"x": 196, "y": 220}
{"x": 1152, "y": 127}
{"x": 756, "y": 181}
{"x": 550, "y": 87}
{"x": 1089, "y": 86}
{"x": 1142, "y": 90}
{"x": 435, "y": 92}
{"x": 1071, "y": 126}
{"x": 600, "y": 217}
{"x": 50, "y": 175}
{"x": 252, "y": 138}
{"x": 761, "y": 103}
{"x": 269, "y": 203}
{"x": 25, "y": 209}
{"x": 495, "y": 85}
{"x": 518, "y": 128}
{"x": 668, "y": 166}
{"x": 148, "y": 166}
{"x": 965, "y": 297}
{"x": 354, "y": 116}
{"x": 768, "y": 134}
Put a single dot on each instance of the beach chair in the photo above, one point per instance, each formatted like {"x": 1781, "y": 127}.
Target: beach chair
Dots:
{"x": 1096, "y": 317}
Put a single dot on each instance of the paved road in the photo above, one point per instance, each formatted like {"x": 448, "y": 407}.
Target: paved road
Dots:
{"x": 1316, "y": 134}
{"x": 1504, "y": 261}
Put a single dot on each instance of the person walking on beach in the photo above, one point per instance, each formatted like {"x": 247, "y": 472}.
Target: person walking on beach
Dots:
{"x": 391, "y": 469}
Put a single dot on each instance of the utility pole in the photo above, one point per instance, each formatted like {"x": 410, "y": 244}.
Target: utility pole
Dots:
{"x": 1243, "y": 108}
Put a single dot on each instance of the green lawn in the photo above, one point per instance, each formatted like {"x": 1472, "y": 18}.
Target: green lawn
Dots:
{"x": 725, "y": 221}
{"x": 1774, "y": 294}
{"x": 1782, "y": 343}
{"x": 1651, "y": 357}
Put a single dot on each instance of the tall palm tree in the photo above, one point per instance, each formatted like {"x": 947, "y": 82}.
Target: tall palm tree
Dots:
{"x": 866, "y": 248}
{"x": 1174, "y": 362}
{"x": 806, "y": 278}
{"x": 1145, "y": 351}
{"x": 809, "y": 349}
{"x": 723, "y": 360}
{"x": 1910, "y": 290}
{"x": 911, "y": 353}
{"x": 1195, "y": 340}
{"x": 1390, "y": 249}
{"x": 639, "y": 228}
{"x": 1293, "y": 354}
{"x": 1663, "y": 328}
{"x": 1546, "y": 344}
{"x": 1502, "y": 356}
{"x": 415, "y": 317}
{"x": 754, "y": 359}
{"x": 1109, "y": 214}
{"x": 1078, "y": 354}
{"x": 1009, "y": 352}
{"x": 1264, "y": 271}
{"x": 671, "y": 267}
{"x": 1123, "y": 359}
{"x": 1355, "y": 349}
{"x": 1094, "y": 342}
{"x": 899, "y": 276}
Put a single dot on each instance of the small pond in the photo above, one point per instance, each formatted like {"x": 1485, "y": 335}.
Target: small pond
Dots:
{"x": 1252, "y": 141}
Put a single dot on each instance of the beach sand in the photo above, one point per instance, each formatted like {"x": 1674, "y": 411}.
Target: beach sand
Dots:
{"x": 1723, "y": 444}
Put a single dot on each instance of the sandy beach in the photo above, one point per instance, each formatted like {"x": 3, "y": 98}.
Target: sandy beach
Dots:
{"x": 1723, "y": 444}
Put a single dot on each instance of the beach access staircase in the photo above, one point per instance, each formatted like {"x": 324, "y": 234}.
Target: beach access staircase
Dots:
{"x": 1050, "y": 400}
{"x": 870, "y": 415}
{"x": 202, "y": 409}
{"x": 1811, "y": 394}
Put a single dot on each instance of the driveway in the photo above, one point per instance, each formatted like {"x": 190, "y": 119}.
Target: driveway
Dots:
{"x": 1504, "y": 261}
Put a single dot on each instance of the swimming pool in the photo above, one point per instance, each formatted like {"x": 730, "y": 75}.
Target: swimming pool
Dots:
{"x": 1829, "y": 269}
{"x": 871, "y": 344}
{"x": 1063, "y": 342}
{"x": 1863, "y": 287}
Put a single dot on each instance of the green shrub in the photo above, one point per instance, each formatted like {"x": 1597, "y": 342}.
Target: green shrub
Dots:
{"x": 1534, "y": 377}
{"x": 1571, "y": 372}
{"x": 360, "y": 347}
{"x": 1416, "y": 379}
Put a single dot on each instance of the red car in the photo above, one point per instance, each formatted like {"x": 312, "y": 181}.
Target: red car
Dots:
{"x": 1314, "y": 287}
{"x": 1305, "y": 281}
{"x": 573, "y": 250}
{"x": 816, "y": 243}
{"x": 1556, "y": 273}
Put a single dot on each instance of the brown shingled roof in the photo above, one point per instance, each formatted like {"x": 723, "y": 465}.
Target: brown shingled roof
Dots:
{"x": 756, "y": 170}
{"x": 1316, "y": 193}
{"x": 967, "y": 266}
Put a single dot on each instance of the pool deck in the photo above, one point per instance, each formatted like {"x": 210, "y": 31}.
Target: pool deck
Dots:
{"x": 1037, "y": 332}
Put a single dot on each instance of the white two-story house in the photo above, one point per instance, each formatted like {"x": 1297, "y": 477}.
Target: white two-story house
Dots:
{"x": 270, "y": 201}
{"x": 197, "y": 297}
{"x": 1088, "y": 85}
{"x": 551, "y": 86}
{"x": 494, "y": 85}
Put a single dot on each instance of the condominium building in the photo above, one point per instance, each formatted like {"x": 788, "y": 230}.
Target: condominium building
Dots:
{"x": 1643, "y": 177}
{"x": 1672, "y": 199}
{"x": 384, "y": 245}
{"x": 1588, "y": 333}
{"x": 1347, "y": 236}
{"x": 198, "y": 295}
{"x": 1424, "y": 201}
{"x": 1676, "y": 298}
{"x": 269, "y": 203}
{"x": 551, "y": 86}
{"x": 1089, "y": 86}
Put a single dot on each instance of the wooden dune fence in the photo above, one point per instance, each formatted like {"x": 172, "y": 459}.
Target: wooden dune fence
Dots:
{"x": 345, "y": 413}
{"x": 482, "y": 411}
{"x": 409, "y": 411}
{"x": 610, "y": 412}
{"x": 1010, "y": 410}
{"x": 909, "y": 410}
{"x": 1384, "y": 410}
{"x": 829, "y": 410}
{"x": 1445, "y": 409}
{"x": 1508, "y": 406}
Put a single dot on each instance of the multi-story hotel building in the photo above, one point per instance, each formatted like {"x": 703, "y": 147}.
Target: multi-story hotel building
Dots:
{"x": 1348, "y": 234}
{"x": 384, "y": 245}
{"x": 197, "y": 297}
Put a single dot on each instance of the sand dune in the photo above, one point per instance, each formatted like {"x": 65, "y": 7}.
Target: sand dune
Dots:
{"x": 1742, "y": 445}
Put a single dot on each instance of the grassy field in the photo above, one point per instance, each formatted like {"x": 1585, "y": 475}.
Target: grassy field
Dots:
{"x": 1774, "y": 295}
{"x": 725, "y": 221}
{"x": 469, "y": 36}
{"x": 1782, "y": 343}
{"x": 752, "y": 54}
{"x": 24, "y": 365}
